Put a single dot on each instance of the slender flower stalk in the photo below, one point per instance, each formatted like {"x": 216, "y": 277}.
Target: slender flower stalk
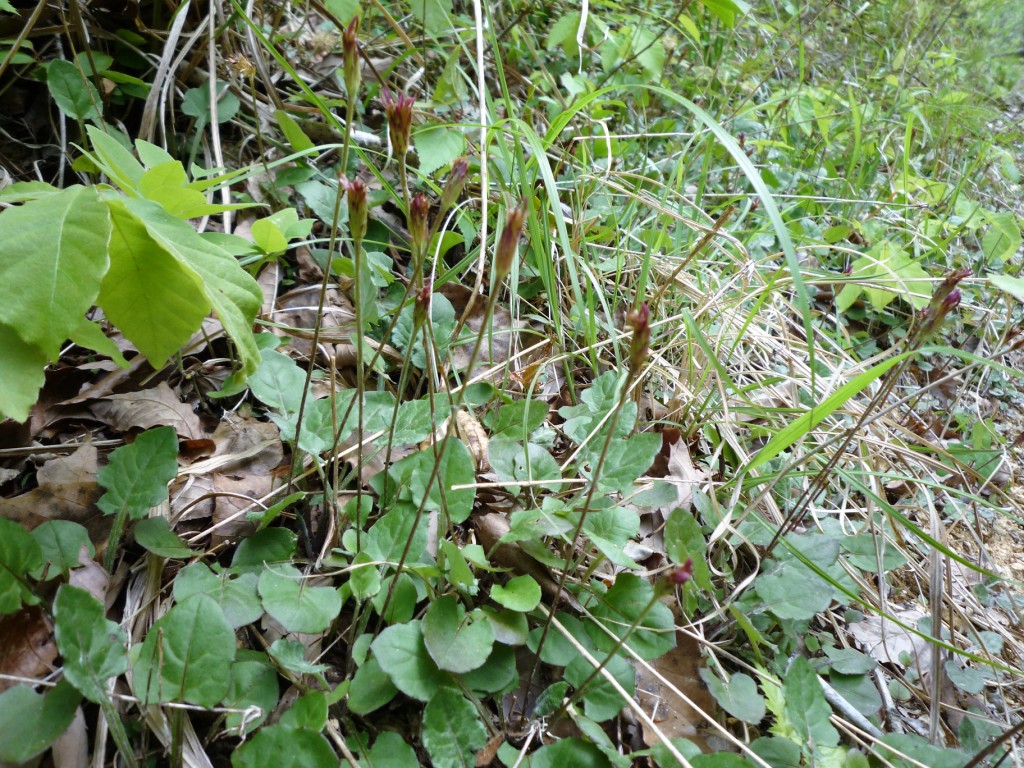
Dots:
{"x": 508, "y": 242}
{"x": 419, "y": 235}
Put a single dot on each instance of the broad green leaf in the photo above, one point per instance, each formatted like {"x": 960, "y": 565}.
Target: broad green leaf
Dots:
{"x": 403, "y": 655}
{"x": 371, "y": 688}
{"x": 563, "y": 34}
{"x": 278, "y": 382}
{"x": 452, "y": 731}
{"x": 271, "y": 545}
{"x": 299, "y": 607}
{"x": 30, "y": 722}
{"x": 456, "y": 468}
{"x": 858, "y": 690}
{"x": 513, "y": 463}
{"x": 94, "y": 649}
{"x": 186, "y": 656}
{"x": 739, "y": 697}
{"x": 292, "y": 132}
{"x": 598, "y": 400}
{"x": 727, "y": 10}
{"x": 291, "y": 654}
{"x": 438, "y": 145}
{"x": 233, "y": 293}
{"x": 53, "y": 253}
{"x": 91, "y": 336}
{"x": 391, "y": 751}
{"x": 61, "y": 543}
{"x": 284, "y": 747}
{"x": 197, "y": 104}
{"x": 115, "y": 159}
{"x": 496, "y": 675}
{"x": 886, "y": 264}
{"x": 416, "y": 419}
{"x": 793, "y": 591}
{"x": 236, "y": 594}
{"x": 457, "y": 642}
{"x": 1012, "y": 285}
{"x": 806, "y": 707}
{"x": 563, "y": 753}
{"x": 621, "y": 605}
{"x": 518, "y": 420}
{"x": 520, "y": 594}
{"x": 22, "y": 373}
{"x": 609, "y": 529}
{"x": 684, "y": 540}
{"x": 625, "y": 460}
{"x": 777, "y": 751}
{"x": 1002, "y": 240}
{"x": 137, "y": 476}
{"x": 364, "y": 577}
{"x": 849, "y": 662}
{"x": 510, "y": 627}
{"x": 19, "y": 556}
{"x": 308, "y": 712}
{"x": 600, "y": 699}
{"x": 155, "y": 535}
{"x": 73, "y": 92}
{"x": 166, "y": 174}
{"x": 433, "y": 15}
{"x": 807, "y": 421}
{"x": 922, "y": 752}
{"x": 253, "y": 684}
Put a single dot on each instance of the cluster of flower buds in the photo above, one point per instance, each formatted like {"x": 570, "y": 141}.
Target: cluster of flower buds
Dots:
{"x": 639, "y": 320}
{"x": 399, "y": 111}
{"x": 508, "y": 241}
{"x": 945, "y": 298}
{"x": 350, "y": 52}
{"x": 355, "y": 193}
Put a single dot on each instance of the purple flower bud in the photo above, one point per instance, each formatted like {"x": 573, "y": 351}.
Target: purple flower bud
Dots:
{"x": 355, "y": 191}
{"x": 399, "y": 111}
{"x": 508, "y": 241}
{"x": 675, "y": 578}
{"x": 350, "y": 49}
{"x": 456, "y": 181}
{"x": 639, "y": 320}
{"x": 952, "y": 300}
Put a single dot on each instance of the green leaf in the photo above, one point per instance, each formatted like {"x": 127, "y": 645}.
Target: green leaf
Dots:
{"x": 197, "y": 103}
{"x": 617, "y": 609}
{"x": 858, "y": 690}
{"x": 433, "y": 15}
{"x": 308, "y": 713}
{"x": 456, "y": 642}
{"x": 807, "y": 421}
{"x": 295, "y": 136}
{"x": 778, "y": 752}
{"x": 390, "y": 751}
{"x": 236, "y": 594}
{"x": 94, "y": 649}
{"x": 299, "y": 608}
{"x": 889, "y": 265}
{"x": 54, "y": 250}
{"x": 600, "y": 699}
{"x": 152, "y": 297}
{"x": 364, "y": 577}
{"x": 793, "y": 591}
{"x": 456, "y": 468}
{"x": 253, "y": 684}
{"x": 452, "y": 731}
{"x": 567, "y": 752}
{"x": 518, "y": 419}
{"x": 19, "y": 555}
{"x": 847, "y": 661}
{"x": 438, "y": 145}
{"x": 598, "y": 400}
{"x": 23, "y": 367}
{"x": 403, "y": 656}
{"x": 563, "y": 34}
{"x": 510, "y": 627}
{"x": 414, "y": 422}
{"x": 739, "y": 697}
{"x": 513, "y": 463}
{"x": 1002, "y": 240}
{"x": 609, "y": 530}
{"x": 806, "y": 707}
{"x": 74, "y": 94}
{"x": 115, "y": 159}
{"x": 234, "y": 294}
{"x": 155, "y": 535}
{"x": 61, "y": 543}
{"x": 187, "y": 656}
{"x": 278, "y": 382}
{"x": 137, "y": 476}
{"x": 31, "y": 722}
{"x": 291, "y": 654}
{"x": 498, "y": 673}
{"x": 371, "y": 688}
{"x": 684, "y": 540}
{"x": 284, "y": 747}
{"x": 520, "y": 594}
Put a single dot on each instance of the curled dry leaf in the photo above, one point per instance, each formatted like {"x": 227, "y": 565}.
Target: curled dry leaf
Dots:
{"x": 676, "y": 718}
{"x": 27, "y": 646}
{"x": 155, "y": 407}
{"x": 67, "y": 490}
{"x": 475, "y": 438}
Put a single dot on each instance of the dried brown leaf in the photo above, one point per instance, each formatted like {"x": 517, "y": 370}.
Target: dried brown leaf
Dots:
{"x": 27, "y": 646}
{"x": 155, "y": 407}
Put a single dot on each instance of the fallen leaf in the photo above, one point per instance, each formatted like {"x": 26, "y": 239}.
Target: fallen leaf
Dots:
{"x": 27, "y": 646}
{"x": 155, "y": 407}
